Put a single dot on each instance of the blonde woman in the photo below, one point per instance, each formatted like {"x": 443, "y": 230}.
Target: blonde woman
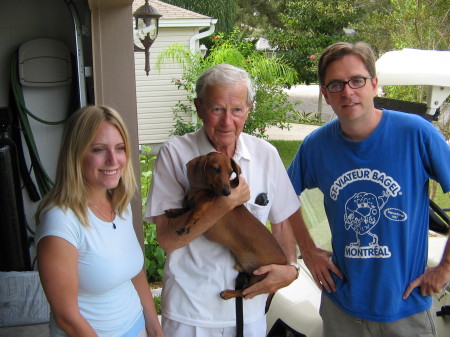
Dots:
{"x": 89, "y": 259}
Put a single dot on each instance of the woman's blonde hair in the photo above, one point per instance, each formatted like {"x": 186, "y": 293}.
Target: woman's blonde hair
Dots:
{"x": 70, "y": 190}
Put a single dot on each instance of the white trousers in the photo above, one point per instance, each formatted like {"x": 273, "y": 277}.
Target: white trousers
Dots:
{"x": 176, "y": 329}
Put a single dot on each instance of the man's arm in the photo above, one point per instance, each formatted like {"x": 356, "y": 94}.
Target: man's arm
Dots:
{"x": 167, "y": 228}
{"x": 316, "y": 259}
{"x": 285, "y": 236}
{"x": 435, "y": 278}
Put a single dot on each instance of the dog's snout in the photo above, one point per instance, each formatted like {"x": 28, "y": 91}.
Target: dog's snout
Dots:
{"x": 226, "y": 192}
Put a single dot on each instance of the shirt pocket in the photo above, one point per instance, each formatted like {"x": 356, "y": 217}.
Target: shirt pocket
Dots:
{"x": 260, "y": 212}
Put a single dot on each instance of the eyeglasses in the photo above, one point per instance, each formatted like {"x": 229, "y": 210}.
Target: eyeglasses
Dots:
{"x": 354, "y": 83}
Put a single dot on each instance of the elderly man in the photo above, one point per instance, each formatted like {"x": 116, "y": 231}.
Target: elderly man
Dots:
{"x": 197, "y": 269}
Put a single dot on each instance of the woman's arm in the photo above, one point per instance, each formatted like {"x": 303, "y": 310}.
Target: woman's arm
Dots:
{"x": 57, "y": 264}
{"x": 151, "y": 317}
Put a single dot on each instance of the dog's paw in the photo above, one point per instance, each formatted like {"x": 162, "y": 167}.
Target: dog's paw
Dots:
{"x": 174, "y": 212}
{"x": 228, "y": 294}
{"x": 225, "y": 295}
{"x": 183, "y": 230}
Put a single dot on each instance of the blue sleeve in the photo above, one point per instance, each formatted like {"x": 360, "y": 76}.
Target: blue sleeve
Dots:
{"x": 438, "y": 163}
{"x": 295, "y": 172}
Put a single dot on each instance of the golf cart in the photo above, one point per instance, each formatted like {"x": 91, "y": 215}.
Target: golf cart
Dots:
{"x": 294, "y": 310}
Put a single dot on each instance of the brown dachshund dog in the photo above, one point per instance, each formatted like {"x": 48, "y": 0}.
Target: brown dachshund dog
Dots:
{"x": 250, "y": 241}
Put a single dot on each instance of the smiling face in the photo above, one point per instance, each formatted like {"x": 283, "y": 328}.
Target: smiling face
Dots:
{"x": 350, "y": 104}
{"x": 224, "y": 110}
{"x": 105, "y": 159}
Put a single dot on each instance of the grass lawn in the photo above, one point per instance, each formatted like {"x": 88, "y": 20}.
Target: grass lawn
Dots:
{"x": 442, "y": 200}
{"x": 287, "y": 149}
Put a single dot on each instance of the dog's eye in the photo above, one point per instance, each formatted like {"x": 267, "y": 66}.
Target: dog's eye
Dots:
{"x": 216, "y": 169}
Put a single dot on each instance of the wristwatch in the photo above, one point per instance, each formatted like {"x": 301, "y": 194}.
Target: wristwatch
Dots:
{"x": 296, "y": 266}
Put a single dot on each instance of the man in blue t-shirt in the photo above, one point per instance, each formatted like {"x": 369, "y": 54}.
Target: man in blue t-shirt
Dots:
{"x": 373, "y": 167}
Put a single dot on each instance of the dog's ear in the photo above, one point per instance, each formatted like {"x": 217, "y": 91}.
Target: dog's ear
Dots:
{"x": 195, "y": 171}
{"x": 237, "y": 170}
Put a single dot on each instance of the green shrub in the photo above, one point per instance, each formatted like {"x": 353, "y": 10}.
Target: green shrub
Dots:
{"x": 155, "y": 257}
{"x": 157, "y": 300}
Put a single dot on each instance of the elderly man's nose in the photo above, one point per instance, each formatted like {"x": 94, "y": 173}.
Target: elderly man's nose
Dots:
{"x": 227, "y": 115}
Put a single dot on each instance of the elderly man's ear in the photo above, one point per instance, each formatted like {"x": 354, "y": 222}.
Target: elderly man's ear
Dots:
{"x": 198, "y": 105}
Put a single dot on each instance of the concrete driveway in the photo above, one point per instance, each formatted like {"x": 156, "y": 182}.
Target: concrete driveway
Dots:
{"x": 296, "y": 132}
{"x": 308, "y": 95}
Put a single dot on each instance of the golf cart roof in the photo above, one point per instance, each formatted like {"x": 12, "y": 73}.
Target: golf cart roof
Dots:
{"x": 414, "y": 67}
{"x": 417, "y": 67}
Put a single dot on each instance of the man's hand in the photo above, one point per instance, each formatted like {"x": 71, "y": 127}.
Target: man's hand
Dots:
{"x": 320, "y": 265}
{"x": 278, "y": 276}
{"x": 431, "y": 282}
{"x": 316, "y": 259}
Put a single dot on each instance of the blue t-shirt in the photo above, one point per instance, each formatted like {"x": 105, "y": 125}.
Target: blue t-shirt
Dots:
{"x": 376, "y": 201}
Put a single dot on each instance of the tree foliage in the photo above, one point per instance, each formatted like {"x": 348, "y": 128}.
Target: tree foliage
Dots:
{"x": 249, "y": 15}
{"x": 254, "y": 16}
{"x": 270, "y": 76}
{"x": 301, "y": 29}
{"x": 397, "y": 24}
{"x": 308, "y": 27}
{"x": 225, "y": 11}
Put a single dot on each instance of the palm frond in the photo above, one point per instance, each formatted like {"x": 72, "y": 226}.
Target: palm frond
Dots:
{"x": 177, "y": 54}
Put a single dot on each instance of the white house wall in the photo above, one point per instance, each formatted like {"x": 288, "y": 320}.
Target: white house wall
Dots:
{"x": 157, "y": 93}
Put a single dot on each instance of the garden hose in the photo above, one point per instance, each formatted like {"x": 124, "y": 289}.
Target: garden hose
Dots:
{"x": 43, "y": 180}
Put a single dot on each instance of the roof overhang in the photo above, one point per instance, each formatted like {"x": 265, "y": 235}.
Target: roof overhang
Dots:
{"x": 108, "y": 3}
{"x": 173, "y": 23}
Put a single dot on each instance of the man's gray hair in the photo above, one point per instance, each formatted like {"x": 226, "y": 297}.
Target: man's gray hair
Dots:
{"x": 224, "y": 74}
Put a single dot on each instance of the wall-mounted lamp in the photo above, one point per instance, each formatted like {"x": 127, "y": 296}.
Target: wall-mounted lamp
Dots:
{"x": 146, "y": 29}
{"x": 203, "y": 49}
